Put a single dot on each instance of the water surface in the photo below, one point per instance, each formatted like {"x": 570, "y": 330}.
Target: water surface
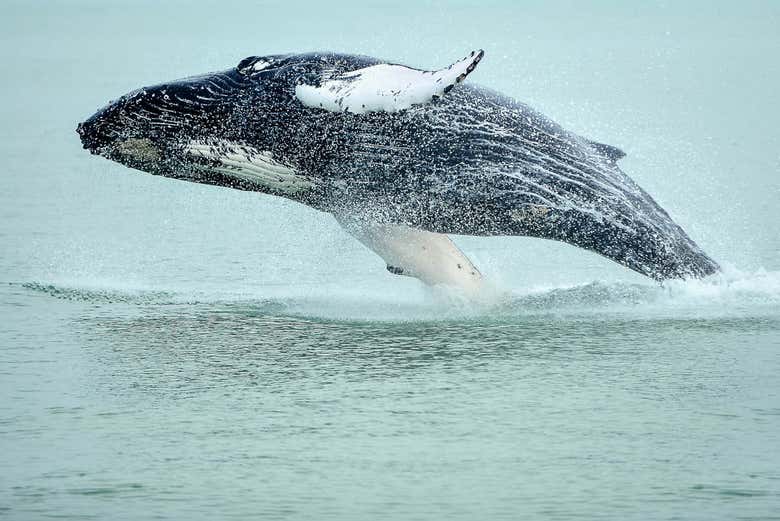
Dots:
{"x": 176, "y": 351}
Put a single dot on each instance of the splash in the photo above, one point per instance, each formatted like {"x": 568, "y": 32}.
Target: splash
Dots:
{"x": 730, "y": 293}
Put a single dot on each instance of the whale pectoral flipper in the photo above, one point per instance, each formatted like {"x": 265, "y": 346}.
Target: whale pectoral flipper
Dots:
{"x": 430, "y": 257}
{"x": 384, "y": 87}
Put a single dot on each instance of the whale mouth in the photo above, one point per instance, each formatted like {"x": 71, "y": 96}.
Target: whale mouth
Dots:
{"x": 137, "y": 152}
{"x": 91, "y": 140}
{"x": 103, "y": 134}
{"x": 147, "y": 128}
{"x": 125, "y": 131}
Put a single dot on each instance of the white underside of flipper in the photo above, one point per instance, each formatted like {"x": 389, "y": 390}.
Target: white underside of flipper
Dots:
{"x": 384, "y": 87}
{"x": 430, "y": 257}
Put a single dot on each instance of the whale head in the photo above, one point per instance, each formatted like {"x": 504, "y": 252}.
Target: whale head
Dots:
{"x": 229, "y": 128}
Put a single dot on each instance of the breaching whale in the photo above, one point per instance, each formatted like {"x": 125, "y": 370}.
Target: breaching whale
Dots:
{"x": 400, "y": 156}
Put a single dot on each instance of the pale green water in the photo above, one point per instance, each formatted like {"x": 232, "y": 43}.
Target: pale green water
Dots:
{"x": 176, "y": 351}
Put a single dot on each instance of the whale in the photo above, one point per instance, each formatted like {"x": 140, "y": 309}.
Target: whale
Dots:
{"x": 401, "y": 157}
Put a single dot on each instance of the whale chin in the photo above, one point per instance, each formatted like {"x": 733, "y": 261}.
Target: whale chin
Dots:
{"x": 137, "y": 149}
{"x": 139, "y": 153}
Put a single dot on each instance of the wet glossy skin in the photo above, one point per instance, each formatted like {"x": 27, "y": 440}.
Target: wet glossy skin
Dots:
{"x": 474, "y": 162}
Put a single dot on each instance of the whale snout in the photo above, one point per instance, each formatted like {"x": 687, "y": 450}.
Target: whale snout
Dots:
{"x": 90, "y": 134}
{"x": 93, "y": 137}
{"x": 116, "y": 132}
{"x": 149, "y": 127}
{"x": 109, "y": 125}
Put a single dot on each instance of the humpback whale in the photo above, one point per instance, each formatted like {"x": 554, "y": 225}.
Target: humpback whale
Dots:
{"x": 400, "y": 156}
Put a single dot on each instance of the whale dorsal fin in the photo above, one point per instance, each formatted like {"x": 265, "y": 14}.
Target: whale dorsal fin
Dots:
{"x": 608, "y": 151}
{"x": 384, "y": 87}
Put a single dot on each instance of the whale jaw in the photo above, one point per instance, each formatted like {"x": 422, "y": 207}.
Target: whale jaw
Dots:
{"x": 148, "y": 128}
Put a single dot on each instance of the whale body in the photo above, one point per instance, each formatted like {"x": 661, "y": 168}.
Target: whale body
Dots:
{"x": 401, "y": 157}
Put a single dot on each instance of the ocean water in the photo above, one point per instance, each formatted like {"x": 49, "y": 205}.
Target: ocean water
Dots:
{"x": 176, "y": 351}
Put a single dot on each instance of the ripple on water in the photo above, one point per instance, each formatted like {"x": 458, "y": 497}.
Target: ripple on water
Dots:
{"x": 728, "y": 295}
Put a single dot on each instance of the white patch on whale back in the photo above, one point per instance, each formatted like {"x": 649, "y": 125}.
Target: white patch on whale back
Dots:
{"x": 384, "y": 87}
{"x": 247, "y": 163}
